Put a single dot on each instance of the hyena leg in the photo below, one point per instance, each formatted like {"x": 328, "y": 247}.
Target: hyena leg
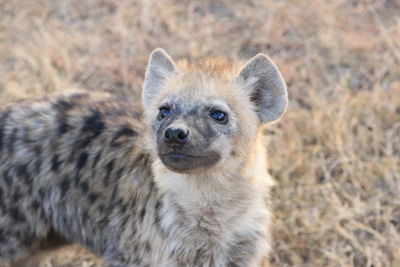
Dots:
{"x": 16, "y": 245}
{"x": 52, "y": 242}
{"x": 19, "y": 237}
{"x": 23, "y": 221}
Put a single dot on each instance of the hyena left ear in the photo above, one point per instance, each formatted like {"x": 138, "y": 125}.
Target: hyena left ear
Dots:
{"x": 265, "y": 86}
{"x": 159, "y": 67}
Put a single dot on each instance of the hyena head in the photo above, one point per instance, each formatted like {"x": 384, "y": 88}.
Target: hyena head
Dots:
{"x": 204, "y": 117}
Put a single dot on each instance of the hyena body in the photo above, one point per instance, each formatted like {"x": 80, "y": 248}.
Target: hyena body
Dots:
{"x": 189, "y": 187}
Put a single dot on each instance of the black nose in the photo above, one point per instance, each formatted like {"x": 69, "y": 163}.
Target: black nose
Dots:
{"x": 175, "y": 136}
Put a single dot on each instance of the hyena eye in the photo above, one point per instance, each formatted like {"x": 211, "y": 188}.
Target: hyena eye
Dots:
{"x": 164, "y": 112}
{"x": 219, "y": 116}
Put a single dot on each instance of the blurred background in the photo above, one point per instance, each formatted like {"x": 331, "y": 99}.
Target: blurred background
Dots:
{"x": 335, "y": 155}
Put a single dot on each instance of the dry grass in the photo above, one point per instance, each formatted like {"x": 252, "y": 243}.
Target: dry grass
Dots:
{"x": 336, "y": 153}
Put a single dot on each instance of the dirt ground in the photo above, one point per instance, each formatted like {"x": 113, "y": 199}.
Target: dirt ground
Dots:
{"x": 335, "y": 155}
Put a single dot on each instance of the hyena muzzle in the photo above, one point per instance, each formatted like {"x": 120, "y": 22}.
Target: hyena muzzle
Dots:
{"x": 180, "y": 180}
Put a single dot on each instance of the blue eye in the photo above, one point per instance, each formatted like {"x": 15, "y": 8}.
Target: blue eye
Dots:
{"x": 164, "y": 112}
{"x": 219, "y": 116}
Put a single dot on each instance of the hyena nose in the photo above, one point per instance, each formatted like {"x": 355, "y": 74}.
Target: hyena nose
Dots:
{"x": 176, "y": 136}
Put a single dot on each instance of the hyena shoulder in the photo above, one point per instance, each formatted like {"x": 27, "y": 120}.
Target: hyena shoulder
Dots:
{"x": 62, "y": 161}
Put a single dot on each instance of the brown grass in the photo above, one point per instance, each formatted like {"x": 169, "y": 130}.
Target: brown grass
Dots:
{"x": 336, "y": 153}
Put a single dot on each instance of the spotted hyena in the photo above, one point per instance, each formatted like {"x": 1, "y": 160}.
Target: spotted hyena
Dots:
{"x": 180, "y": 182}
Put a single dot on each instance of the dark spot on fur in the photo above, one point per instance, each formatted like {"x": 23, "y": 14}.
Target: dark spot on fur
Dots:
{"x": 119, "y": 173}
{"x": 42, "y": 213}
{"x": 17, "y": 194}
{"x": 63, "y": 106}
{"x": 135, "y": 248}
{"x": 157, "y": 211}
{"x": 85, "y": 187}
{"x": 85, "y": 216}
{"x": 109, "y": 168}
{"x": 81, "y": 160}
{"x": 63, "y": 127}
{"x": 93, "y": 197}
{"x": 94, "y": 123}
{"x": 64, "y": 186}
{"x": 123, "y": 131}
{"x": 147, "y": 247}
{"x": 101, "y": 208}
{"x": 133, "y": 226}
{"x": 122, "y": 207}
{"x": 84, "y": 142}
{"x": 42, "y": 192}
{"x": 55, "y": 163}
{"x": 3, "y": 120}
{"x": 11, "y": 140}
{"x": 114, "y": 193}
{"x": 152, "y": 186}
{"x": 7, "y": 178}
{"x": 77, "y": 178}
{"x": 96, "y": 159}
{"x": 79, "y": 165}
{"x": 38, "y": 166}
{"x": 233, "y": 153}
{"x": 142, "y": 214}
{"x": 29, "y": 190}
{"x": 17, "y": 215}
{"x": 22, "y": 172}
{"x": 158, "y": 205}
{"x": 124, "y": 222}
{"x": 179, "y": 210}
{"x": 3, "y": 238}
{"x": 38, "y": 150}
{"x": 35, "y": 204}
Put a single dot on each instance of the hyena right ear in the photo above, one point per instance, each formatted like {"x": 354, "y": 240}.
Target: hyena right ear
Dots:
{"x": 159, "y": 67}
{"x": 264, "y": 85}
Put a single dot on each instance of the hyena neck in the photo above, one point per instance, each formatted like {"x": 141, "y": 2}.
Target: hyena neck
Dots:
{"x": 217, "y": 197}
{"x": 210, "y": 213}
{"x": 195, "y": 192}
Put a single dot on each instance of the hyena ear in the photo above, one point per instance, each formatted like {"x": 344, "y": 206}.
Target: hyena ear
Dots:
{"x": 159, "y": 67}
{"x": 265, "y": 86}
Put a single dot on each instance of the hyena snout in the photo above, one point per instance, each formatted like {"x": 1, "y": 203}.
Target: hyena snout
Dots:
{"x": 181, "y": 149}
{"x": 174, "y": 136}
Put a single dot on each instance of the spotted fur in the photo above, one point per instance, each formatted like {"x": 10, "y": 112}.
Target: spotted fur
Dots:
{"x": 86, "y": 167}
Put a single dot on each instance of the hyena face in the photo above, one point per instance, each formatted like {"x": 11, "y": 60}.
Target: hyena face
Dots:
{"x": 204, "y": 118}
{"x": 191, "y": 134}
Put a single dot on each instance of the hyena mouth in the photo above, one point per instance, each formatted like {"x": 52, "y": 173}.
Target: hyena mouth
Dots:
{"x": 183, "y": 162}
